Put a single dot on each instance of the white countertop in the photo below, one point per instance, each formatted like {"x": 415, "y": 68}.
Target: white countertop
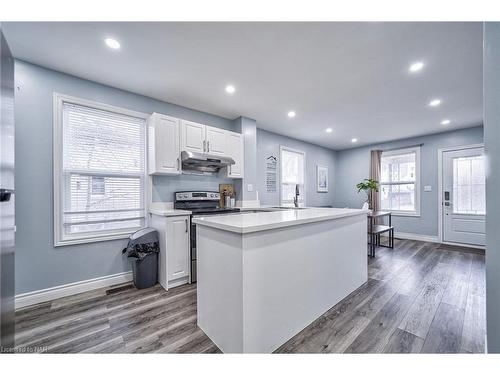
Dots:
{"x": 259, "y": 221}
{"x": 169, "y": 212}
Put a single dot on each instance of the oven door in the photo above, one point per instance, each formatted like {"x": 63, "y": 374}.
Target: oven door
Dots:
{"x": 193, "y": 252}
{"x": 193, "y": 241}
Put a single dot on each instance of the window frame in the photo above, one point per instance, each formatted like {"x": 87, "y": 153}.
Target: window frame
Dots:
{"x": 59, "y": 238}
{"x": 289, "y": 149}
{"x": 405, "y": 151}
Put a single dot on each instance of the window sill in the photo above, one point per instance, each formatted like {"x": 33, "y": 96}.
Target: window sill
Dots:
{"x": 402, "y": 213}
{"x": 84, "y": 240}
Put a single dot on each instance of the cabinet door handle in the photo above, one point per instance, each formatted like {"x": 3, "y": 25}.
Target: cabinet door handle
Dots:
{"x": 178, "y": 164}
{"x": 186, "y": 225}
{"x": 204, "y": 146}
{"x": 208, "y": 146}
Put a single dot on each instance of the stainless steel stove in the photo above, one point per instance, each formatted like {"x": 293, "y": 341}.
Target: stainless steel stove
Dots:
{"x": 200, "y": 203}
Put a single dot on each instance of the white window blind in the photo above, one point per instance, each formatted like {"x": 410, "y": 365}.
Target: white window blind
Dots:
{"x": 400, "y": 180}
{"x": 292, "y": 174}
{"x": 103, "y": 173}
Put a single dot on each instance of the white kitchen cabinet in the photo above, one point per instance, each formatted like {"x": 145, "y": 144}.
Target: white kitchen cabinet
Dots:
{"x": 164, "y": 146}
{"x": 174, "y": 258}
{"x": 193, "y": 136}
{"x": 234, "y": 149}
{"x": 202, "y": 138}
{"x": 216, "y": 141}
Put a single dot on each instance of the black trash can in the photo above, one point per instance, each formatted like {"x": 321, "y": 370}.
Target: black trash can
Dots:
{"x": 142, "y": 250}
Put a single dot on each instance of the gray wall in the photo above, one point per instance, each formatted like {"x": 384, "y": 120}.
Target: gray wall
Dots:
{"x": 491, "y": 86}
{"x": 38, "y": 264}
{"x": 353, "y": 166}
{"x": 269, "y": 144}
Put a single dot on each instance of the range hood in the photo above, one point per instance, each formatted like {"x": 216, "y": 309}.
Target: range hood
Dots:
{"x": 199, "y": 163}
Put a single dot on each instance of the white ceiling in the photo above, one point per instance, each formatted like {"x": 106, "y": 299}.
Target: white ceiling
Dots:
{"x": 352, "y": 77}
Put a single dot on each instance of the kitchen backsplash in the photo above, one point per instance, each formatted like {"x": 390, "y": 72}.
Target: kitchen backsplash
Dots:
{"x": 164, "y": 187}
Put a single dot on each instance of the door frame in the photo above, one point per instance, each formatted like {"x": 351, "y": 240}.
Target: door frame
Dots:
{"x": 440, "y": 191}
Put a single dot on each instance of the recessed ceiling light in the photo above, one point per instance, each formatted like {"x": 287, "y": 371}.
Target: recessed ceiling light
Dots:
{"x": 112, "y": 43}
{"x": 230, "y": 89}
{"x": 416, "y": 66}
{"x": 354, "y": 140}
{"x": 291, "y": 114}
{"x": 445, "y": 122}
{"x": 329, "y": 130}
{"x": 435, "y": 102}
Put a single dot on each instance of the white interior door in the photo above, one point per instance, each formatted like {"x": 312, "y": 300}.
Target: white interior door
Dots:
{"x": 464, "y": 199}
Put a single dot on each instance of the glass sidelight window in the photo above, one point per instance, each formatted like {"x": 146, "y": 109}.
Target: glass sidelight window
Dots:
{"x": 469, "y": 196}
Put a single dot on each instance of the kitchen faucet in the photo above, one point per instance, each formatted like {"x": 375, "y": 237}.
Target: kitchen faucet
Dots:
{"x": 296, "y": 198}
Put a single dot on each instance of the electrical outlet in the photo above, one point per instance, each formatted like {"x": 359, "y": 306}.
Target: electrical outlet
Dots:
{"x": 249, "y": 187}
{"x": 427, "y": 188}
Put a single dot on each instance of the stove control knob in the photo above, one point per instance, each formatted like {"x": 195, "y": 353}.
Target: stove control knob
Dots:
{"x": 211, "y": 195}
{"x": 185, "y": 196}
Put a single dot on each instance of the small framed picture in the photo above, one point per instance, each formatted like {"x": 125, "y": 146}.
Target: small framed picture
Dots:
{"x": 322, "y": 178}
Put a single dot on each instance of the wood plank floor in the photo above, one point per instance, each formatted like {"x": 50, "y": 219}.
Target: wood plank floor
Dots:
{"x": 420, "y": 297}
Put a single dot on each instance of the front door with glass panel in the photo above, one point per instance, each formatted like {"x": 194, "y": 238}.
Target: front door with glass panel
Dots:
{"x": 463, "y": 196}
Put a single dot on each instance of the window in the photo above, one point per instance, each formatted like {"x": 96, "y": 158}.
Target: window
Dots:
{"x": 469, "y": 190}
{"x": 400, "y": 179}
{"x": 99, "y": 171}
{"x": 292, "y": 174}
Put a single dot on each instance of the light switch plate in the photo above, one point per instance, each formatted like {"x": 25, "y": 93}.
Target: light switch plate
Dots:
{"x": 249, "y": 187}
{"x": 427, "y": 188}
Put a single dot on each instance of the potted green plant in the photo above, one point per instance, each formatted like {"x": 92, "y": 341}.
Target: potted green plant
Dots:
{"x": 367, "y": 185}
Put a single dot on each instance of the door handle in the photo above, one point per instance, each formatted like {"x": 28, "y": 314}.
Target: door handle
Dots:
{"x": 5, "y": 194}
{"x": 186, "y": 225}
{"x": 178, "y": 164}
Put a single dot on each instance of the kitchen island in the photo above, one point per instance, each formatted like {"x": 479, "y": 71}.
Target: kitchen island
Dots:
{"x": 265, "y": 276}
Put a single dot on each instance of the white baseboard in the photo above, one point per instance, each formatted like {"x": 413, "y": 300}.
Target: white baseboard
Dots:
{"x": 49, "y": 294}
{"x": 435, "y": 239}
{"x": 416, "y": 237}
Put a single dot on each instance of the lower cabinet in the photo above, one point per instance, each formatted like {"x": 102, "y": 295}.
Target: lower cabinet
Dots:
{"x": 174, "y": 257}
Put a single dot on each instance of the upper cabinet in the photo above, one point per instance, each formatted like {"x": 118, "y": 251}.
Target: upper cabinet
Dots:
{"x": 234, "y": 149}
{"x": 202, "y": 138}
{"x": 193, "y": 136}
{"x": 168, "y": 136}
{"x": 216, "y": 141}
{"x": 164, "y": 148}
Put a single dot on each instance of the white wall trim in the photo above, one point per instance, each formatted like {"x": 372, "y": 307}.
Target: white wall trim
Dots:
{"x": 416, "y": 237}
{"x": 440, "y": 183}
{"x": 434, "y": 239}
{"x": 49, "y": 294}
